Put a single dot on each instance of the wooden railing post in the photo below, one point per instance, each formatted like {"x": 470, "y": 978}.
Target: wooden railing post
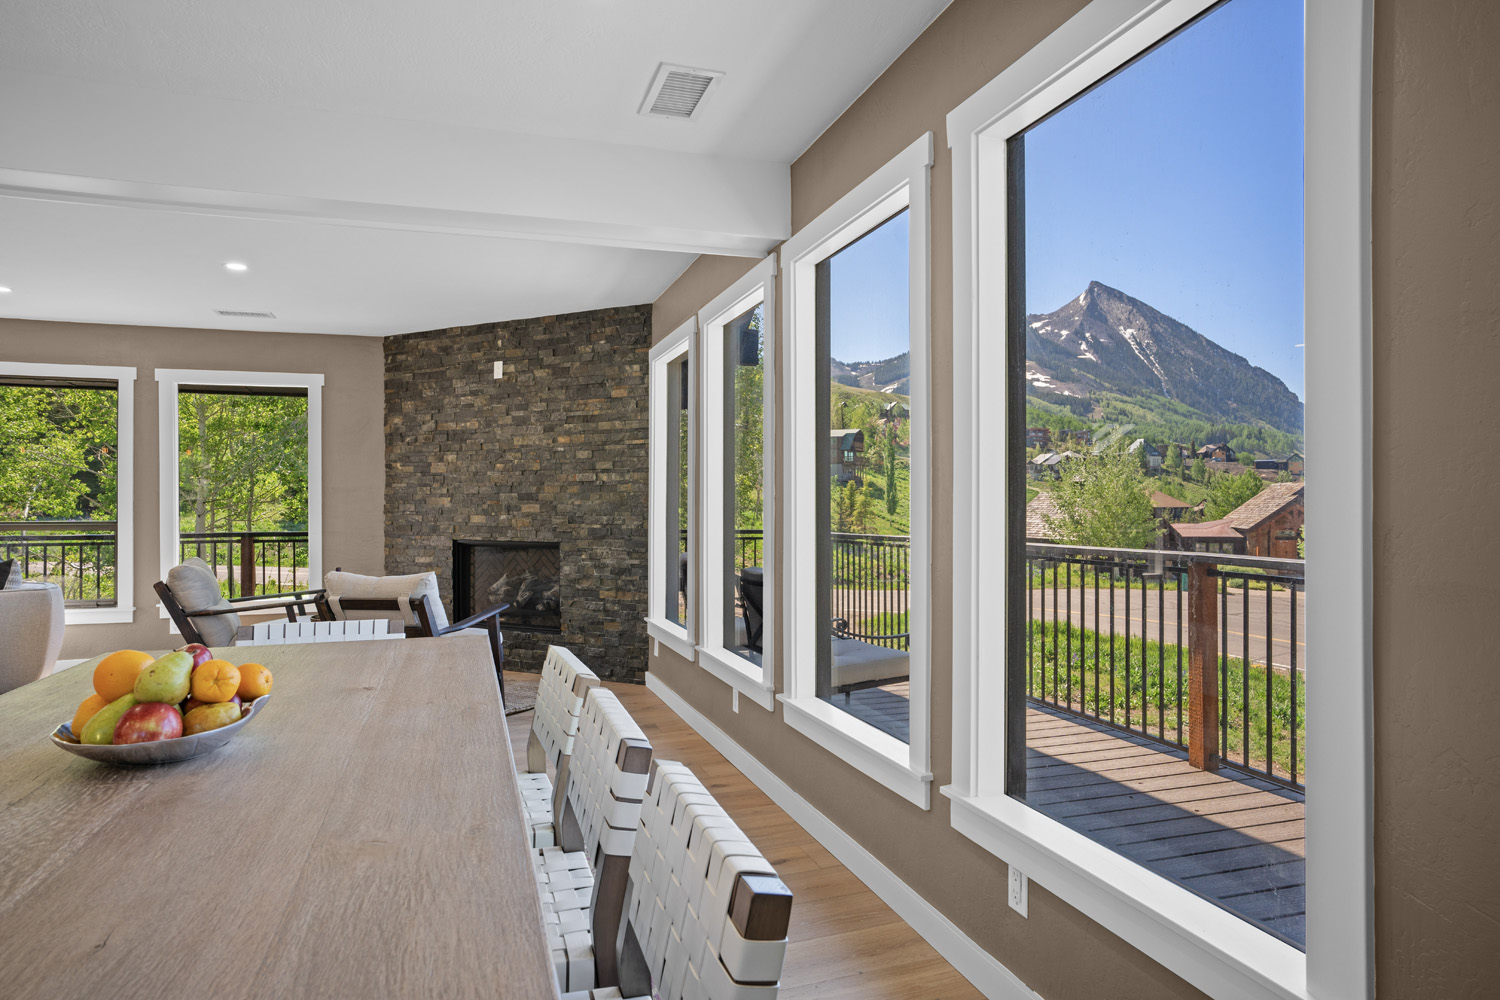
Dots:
{"x": 247, "y": 564}
{"x": 1203, "y": 668}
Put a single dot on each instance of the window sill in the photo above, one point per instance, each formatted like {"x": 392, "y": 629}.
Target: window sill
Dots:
{"x": 747, "y": 679}
{"x": 674, "y": 637}
{"x": 878, "y": 755}
{"x": 1210, "y": 947}
{"x": 98, "y": 616}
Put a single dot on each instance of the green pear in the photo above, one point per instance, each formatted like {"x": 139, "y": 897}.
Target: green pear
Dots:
{"x": 100, "y": 730}
{"x": 167, "y": 679}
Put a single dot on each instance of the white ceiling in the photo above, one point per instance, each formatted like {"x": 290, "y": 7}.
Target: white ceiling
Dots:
{"x": 386, "y": 166}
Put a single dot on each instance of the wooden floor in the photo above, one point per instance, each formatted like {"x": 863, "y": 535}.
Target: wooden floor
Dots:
{"x": 1236, "y": 840}
{"x": 844, "y": 942}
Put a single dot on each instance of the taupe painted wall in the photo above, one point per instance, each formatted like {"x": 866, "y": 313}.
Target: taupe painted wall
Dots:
{"x": 1436, "y": 365}
{"x": 353, "y": 439}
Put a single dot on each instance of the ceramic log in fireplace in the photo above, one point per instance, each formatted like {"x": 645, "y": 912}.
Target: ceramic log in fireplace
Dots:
{"x": 525, "y": 575}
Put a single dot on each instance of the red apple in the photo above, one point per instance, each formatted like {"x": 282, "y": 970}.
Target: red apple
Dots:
{"x": 147, "y": 722}
{"x": 199, "y": 652}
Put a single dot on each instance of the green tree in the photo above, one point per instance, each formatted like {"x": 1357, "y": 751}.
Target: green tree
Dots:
{"x": 57, "y": 453}
{"x": 749, "y": 436}
{"x": 891, "y": 502}
{"x": 1104, "y": 501}
{"x": 861, "y": 516}
{"x": 1200, "y": 470}
{"x": 242, "y": 462}
{"x": 1226, "y": 492}
{"x": 1172, "y": 462}
{"x": 840, "y": 504}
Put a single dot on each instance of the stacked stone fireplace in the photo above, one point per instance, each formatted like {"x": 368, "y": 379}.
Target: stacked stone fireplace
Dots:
{"x": 548, "y": 461}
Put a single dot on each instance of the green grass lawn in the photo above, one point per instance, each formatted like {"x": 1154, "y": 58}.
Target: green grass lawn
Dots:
{"x": 1147, "y": 671}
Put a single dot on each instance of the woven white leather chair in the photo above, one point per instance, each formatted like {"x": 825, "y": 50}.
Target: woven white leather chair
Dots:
{"x": 705, "y": 915}
{"x": 582, "y": 880}
{"x": 559, "y": 702}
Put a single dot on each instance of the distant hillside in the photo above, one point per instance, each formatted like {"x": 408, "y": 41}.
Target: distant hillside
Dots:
{"x": 1106, "y": 344}
{"x": 892, "y": 375}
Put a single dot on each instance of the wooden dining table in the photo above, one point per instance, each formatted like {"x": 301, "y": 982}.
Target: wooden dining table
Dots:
{"x": 362, "y": 836}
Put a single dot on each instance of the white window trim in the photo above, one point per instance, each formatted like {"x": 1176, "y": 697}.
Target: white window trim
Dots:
{"x": 168, "y": 380}
{"x": 1209, "y": 947}
{"x": 901, "y": 183}
{"x": 124, "y": 378}
{"x": 756, "y": 288}
{"x": 676, "y": 345}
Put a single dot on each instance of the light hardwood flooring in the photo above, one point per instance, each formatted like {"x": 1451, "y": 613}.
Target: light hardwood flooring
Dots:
{"x": 844, "y": 943}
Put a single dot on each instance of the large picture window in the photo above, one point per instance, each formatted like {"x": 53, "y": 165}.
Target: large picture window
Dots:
{"x": 671, "y": 615}
{"x": 241, "y": 477}
{"x": 738, "y": 486}
{"x": 857, "y": 606}
{"x": 1130, "y": 489}
{"x": 67, "y": 453}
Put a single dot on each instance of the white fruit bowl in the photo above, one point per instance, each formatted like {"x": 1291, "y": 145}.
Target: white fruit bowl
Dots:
{"x": 159, "y": 751}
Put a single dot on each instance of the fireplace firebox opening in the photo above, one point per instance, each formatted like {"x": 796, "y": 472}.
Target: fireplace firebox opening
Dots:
{"x": 525, "y": 575}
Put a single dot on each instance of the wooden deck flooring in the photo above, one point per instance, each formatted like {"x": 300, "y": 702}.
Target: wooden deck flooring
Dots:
{"x": 845, "y": 943}
{"x": 887, "y": 708}
{"x": 1234, "y": 839}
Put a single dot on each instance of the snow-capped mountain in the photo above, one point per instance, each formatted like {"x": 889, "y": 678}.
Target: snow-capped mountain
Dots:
{"x": 1107, "y": 341}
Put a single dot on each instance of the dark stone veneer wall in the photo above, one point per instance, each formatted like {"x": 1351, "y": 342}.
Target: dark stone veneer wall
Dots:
{"x": 556, "y": 450}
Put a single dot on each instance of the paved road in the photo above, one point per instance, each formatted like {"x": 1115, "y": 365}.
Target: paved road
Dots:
{"x": 1164, "y": 616}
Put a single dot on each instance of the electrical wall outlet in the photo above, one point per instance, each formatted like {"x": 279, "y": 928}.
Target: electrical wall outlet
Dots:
{"x": 499, "y": 369}
{"x": 734, "y": 701}
{"x": 1018, "y": 886}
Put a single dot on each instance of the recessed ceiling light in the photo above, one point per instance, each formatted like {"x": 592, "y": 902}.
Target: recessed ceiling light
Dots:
{"x": 4, "y": 290}
{"x": 235, "y": 265}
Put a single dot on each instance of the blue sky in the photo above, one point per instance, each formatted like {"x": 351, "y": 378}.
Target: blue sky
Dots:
{"x": 870, "y": 289}
{"x": 1178, "y": 181}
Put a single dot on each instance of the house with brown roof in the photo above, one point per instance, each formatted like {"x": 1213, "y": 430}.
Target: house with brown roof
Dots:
{"x": 1206, "y": 536}
{"x": 1268, "y": 524}
{"x": 1166, "y": 508}
{"x": 1216, "y": 453}
{"x": 1270, "y": 521}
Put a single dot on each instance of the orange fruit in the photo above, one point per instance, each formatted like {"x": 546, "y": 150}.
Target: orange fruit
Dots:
{"x": 86, "y": 711}
{"x": 215, "y": 680}
{"x": 255, "y": 680}
{"x": 115, "y": 675}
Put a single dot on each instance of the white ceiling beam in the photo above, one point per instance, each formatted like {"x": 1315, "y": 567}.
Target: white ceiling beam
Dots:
{"x": 75, "y": 142}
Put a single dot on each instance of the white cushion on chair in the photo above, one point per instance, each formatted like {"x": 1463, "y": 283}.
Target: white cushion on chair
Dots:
{"x": 354, "y": 585}
{"x": 858, "y": 662}
{"x": 195, "y": 587}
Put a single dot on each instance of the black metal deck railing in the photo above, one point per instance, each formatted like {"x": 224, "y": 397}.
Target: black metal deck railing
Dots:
{"x": 251, "y": 562}
{"x": 1200, "y": 652}
{"x": 78, "y": 556}
{"x": 871, "y": 580}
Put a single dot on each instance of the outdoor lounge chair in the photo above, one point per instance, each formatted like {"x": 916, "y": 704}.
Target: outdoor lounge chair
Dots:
{"x": 860, "y": 664}
{"x": 197, "y": 605}
{"x": 415, "y": 598}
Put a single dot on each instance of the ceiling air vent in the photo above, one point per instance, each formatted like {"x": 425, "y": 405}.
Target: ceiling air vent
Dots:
{"x": 242, "y": 314}
{"x": 678, "y": 92}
